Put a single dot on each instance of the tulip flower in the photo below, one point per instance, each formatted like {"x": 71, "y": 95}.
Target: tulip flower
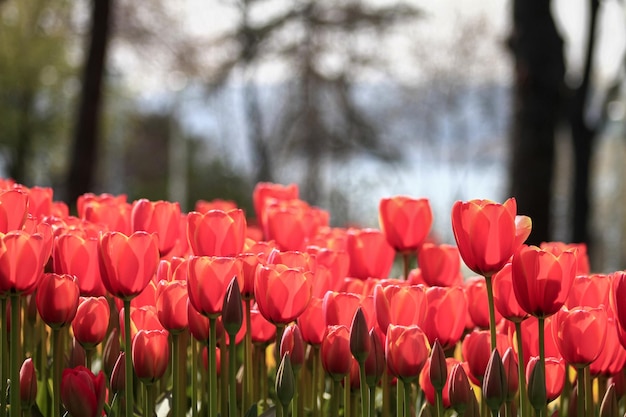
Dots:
{"x": 580, "y": 334}
{"x": 440, "y": 265}
{"x": 292, "y": 259}
{"x": 127, "y": 263}
{"x": 198, "y": 323}
{"x": 150, "y": 354}
{"x": 171, "y": 305}
{"x": 375, "y": 362}
{"x": 265, "y": 192}
{"x": 495, "y": 386}
{"x": 77, "y": 255}
{"x": 370, "y": 254}
{"x": 459, "y": 389}
{"x": 397, "y": 304}
{"x": 208, "y": 277}
{"x": 504, "y": 297}
{"x": 612, "y": 356}
{"x": 262, "y": 330}
{"x": 57, "y": 299}
{"x": 554, "y": 378}
{"x": 292, "y": 223}
{"x": 91, "y": 321}
{"x": 281, "y": 293}
{"x": 477, "y": 302}
{"x": 22, "y": 258}
{"x": 339, "y": 307}
{"x": 82, "y": 392}
{"x": 111, "y": 213}
{"x": 488, "y": 233}
{"x": 406, "y": 351}
{"x": 580, "y": 249}
{"x": 476, "y": 350}
{"x": 111, "y": 351}
{"x": 217, "y": 233}
{"x": 335, "y": 352}
{"x": 312, "y": 323}
{"x": 13, "y": 209}
{"x": 405, "y": 221}
{"x": 292, "y": 344}
{"x": 449, "y": 327}
{"x": 159, "y": 217}
{"x": 28, "y": 383}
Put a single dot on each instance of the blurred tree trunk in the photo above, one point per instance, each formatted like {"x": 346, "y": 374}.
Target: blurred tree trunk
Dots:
{"x": 583, "y": 132}
{"x": 87, "y": 135}
{"x": 539, "y": 71}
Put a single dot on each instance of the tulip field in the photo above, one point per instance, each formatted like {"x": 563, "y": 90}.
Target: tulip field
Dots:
{"x": 138, "y": 309}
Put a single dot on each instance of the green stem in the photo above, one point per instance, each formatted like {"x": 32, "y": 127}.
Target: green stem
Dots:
{"x": 580, "y": 386}
{"x": 439, "y": 402}
{"x": 492, "y": 312}
{"x": 364, "y": 391}
{"x": 385, "y": 387}
{"x": 565, "y": 393}
{"x": 542, "y": 355}
{"x": 295, "y": 402}
{"x": 3, "y": 355}
{"x": 15, "y": 362}
{"x": 212, "y": 367}
{"x": 194, "y": 377}
{"x": 232, "y": 377}
{"x": 224, "y": 367}
{"x": 407, "y": 397}
{"x": 400, "y": 406}
{"x": 150, "y": 400}
{"x": 406, "y": 262}
{"x": 372, "y": 397}
{"x": 316, "y": 363}
{"x": 175, "y": 373}
{"x": 334, "y": 399}
{"x": 57, "y": 361}
{"x": 589, "y": 404}
{"x": 128, "y": 389}
{"x": 524, "y": 406}
{"x": 247, "y": 357}
{"x": 346, "y": 395}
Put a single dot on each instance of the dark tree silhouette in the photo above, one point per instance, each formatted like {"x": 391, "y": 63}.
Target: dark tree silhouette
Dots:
{"x": 87, "y": 135}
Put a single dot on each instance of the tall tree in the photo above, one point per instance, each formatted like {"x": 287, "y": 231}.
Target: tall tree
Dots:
{"x": 87, "y": 134}
{"x": 539, "y": 71}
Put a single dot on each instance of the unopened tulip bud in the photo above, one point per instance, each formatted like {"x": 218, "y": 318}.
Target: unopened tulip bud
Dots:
{"x": 512, "y": 373}
{"x": 285, "y": 381}
{"x": 537, "y": 386}
{"x": 375, "y": 362}
{"x": 77, "y": 355}
{"x": 232, "y": 311}
{"x": 293, "y": 345}
{"x": 111, "y": 351}
{"x": 609, "y": 407}
{"x": 494, "y": 383}
{"x": 360, "y": 343}
{"x": 118, "y": 378}
{"x": 426, "y": 410}
{"x": 473, "y": 410}
{"x": 28, "y": 383}
{"x": 438, "y": 367}
{"x": 459, "y": 390}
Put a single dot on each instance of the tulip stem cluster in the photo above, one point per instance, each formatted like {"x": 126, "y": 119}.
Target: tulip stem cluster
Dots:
{"x": 128, "y": 384}
{"x": 16, "y": 404}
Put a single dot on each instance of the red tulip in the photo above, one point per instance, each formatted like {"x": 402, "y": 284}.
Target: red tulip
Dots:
{"x": 336, "y": 262}
{"x": 83, "y": 393}
{"x": 488, "y": 233}
{"x": 312, "y": 323}
{"x": 440, "y": 265}
{"x": 203, "y": 206}
{"x": 427, "y": 386}
{"x": 370, "y": 254}
{"x": 249, "y": 262}
{"x": 111, "y": 212}
{"x": 293, "y": 344}
{"x": 542, "y": 280}
{"x": 405, "y": 221}
{"x": 198, "y": 324}
{"x": 335, "y": 352}
{"x": 77, "y": 255}
{"x": 262, "y": 331}
{"x": 476, "y": 349}
{"x": 28, "y": 383}
{"x": 339, "y": 308}
{"x": 160, "y": 217}
{"x": 406, "y": 351}
{"x": 91, "y": 321}
{"x": 580, "y": 334}
{"x": 612, "y": 356}
{"x": 151, "y": 354}
{"x": 127, "y": 263}
{"x": 504, "y": 298}
{"x": 142, "y": 318}
{"x": 580, "y": 249}
{"x": 555, "y": 375}
{"x": 281, "y": 293}
{"x": 477, "y": 304}
{"x": 13, "y": 210}
{"x": 216, "y": 233}
{"x": 171, "y": 305}
{"x": 57, "y": 299}
{"x": 207, "y": 279}
{"x": 448, "y": 328}
{"x": 292, "y": 259}
{"x": 589, "y": 290}
{"x": 22, "y": 258}
{"x": 291, "y": 223}
{"x": 530, "y": 338}
{"x": 375, "y": 362}
{"x": 399, "y": 304}
{"x": 265, "y": 192}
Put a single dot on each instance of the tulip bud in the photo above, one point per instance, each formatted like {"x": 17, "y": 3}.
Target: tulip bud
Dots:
{"x": 609, "y": 407}
{"x": 512, "y": 373}
{"x": 459, "y": 390}
{"x": 537, "y": 386}
{"x": 28, "y": 383}
{"x": 78, "y": 356}
{"x": 360, "y": 344}
{"x": 375, "y": 362}
{"x": 438, "y": 367}
{"x": 285, "y": 381}
{"x": 111, "y": 351}
{"x": 494, "y": 383}
{"x": 118, "y": 378}
{"x": 293, "y": 345}
{"x": 426, "y": 410}
{"x": 82, "y": 392}
{"x": 473, "y": 410}
{"x": 232, "y": 312}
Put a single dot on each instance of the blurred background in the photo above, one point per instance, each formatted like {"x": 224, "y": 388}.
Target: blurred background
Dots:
{"x": 353, "y": 100}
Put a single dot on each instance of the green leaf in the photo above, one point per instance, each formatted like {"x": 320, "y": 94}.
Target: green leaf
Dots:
{"x": 252, "y": 412}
